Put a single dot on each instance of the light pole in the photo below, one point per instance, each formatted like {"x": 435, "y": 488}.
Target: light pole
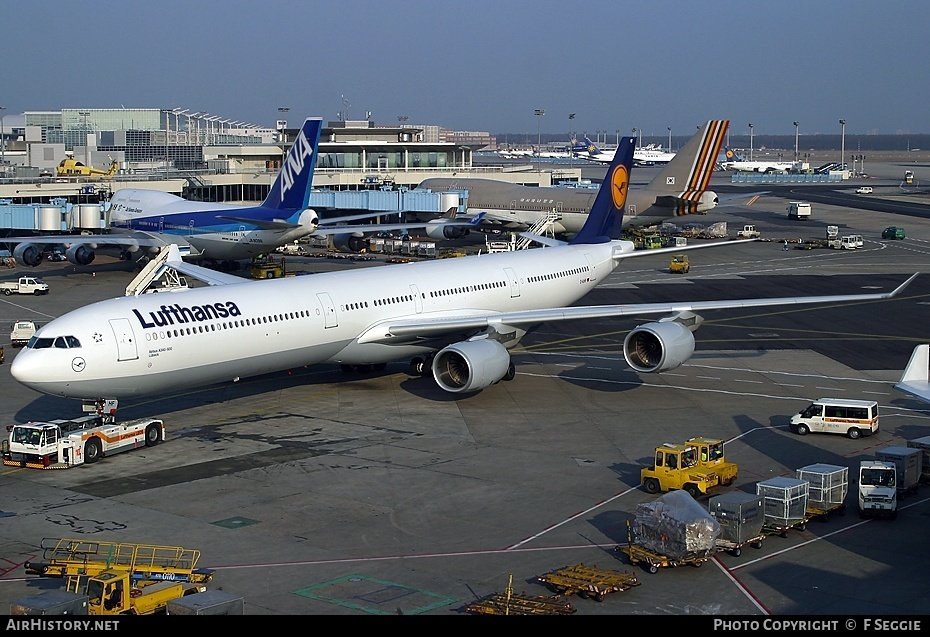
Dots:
{"x": 84, "y": 115}
{"x": 669, "y": 139}
{"x": 750, "y": 142}
{"x": 282, "y": 128}
{"x": 634, "y": 139}
{"x": 2, "y": 141}
{"x": 618, "y": 137}
{"x": 539, "y": 112}
{"x": 843, "y": 145}
{"x": 795, "y": 141}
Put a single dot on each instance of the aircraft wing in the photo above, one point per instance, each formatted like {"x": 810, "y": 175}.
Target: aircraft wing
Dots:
{"x": 134, "y": 238}
{"x": 404, "y": 331}
{"x": 384, "y": 227}
{"x": 280, "y": 224}
{"x": 208, "y": 276}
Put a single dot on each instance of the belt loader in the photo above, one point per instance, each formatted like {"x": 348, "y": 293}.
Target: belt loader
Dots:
{"x": 122, "y": 579}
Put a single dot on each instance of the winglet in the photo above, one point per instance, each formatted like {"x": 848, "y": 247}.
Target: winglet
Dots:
{"x": 898, "y": 289}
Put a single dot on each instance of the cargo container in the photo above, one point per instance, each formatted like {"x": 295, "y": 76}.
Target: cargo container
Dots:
{"x": 785, "y": 504}
{"x": 924, "y": 445}
{"x": 51, "y": 603}
{"x": 828, "y": 485}
{"x": 740, "y": 516}
{"x": 210, "y": 602}
{"x": 908, "y": 463}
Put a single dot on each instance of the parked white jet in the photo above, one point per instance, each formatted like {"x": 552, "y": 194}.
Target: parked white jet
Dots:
{"x": 452, "y": 318}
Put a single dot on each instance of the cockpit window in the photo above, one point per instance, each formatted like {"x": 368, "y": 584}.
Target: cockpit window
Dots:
{"x": 61, "y": 343}
{"x": 40, "y": 343}
{"x": 72, "y": 341}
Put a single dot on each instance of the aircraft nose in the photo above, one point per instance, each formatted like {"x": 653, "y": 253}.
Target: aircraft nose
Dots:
{"x": 25, "y": 369}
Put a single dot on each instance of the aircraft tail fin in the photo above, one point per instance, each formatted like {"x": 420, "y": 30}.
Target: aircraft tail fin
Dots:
{"x": 916, "y": 377}
{"x": 605, "y": 219}
{"x": 291, "y": 189}
{"x": 731, "y": 155}
{"x": 590, "y": 147}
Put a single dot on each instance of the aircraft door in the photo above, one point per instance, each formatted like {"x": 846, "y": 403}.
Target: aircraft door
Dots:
{"x": 591, "y": 264}
{"x": 125, "y": 340}
{"x": 514, "y": 283}
{"x": 417, "y": 299}
{"x": 329, "y": 310}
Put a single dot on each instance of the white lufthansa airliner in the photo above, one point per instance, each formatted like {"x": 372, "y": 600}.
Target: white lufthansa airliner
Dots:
{"x": 148, "y": 220}
{"x": 454, "y": 319}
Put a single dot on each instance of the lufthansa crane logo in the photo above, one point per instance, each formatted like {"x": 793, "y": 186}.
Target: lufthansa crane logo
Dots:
{"x": 78, "y": 364}
{"x": 619, "y": 186}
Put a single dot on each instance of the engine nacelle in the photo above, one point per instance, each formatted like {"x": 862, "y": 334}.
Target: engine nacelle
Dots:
{"x": 445, "y": 231}
{"x": 470, "y": 365}
{"x": 80, "y": 254}
{"x": 658, "y": 347}
{"x": 353, "y": 242}
{"x": 28, "y": 254}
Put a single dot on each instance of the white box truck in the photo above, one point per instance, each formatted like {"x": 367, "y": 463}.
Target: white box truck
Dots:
{"x": 908, "y": 462}
{"x": 799, "y": 210}
{"x": 878, "y": 495}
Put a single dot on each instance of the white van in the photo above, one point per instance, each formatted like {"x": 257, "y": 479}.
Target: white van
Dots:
{"x": 799, "y": 210}
{"x": 864, "y": 190}
{"x": 853, "y": 418}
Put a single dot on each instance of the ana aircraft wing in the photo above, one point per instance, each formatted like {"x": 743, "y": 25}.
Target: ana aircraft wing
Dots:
{"x": 280, "y": 224}
{"x": 208, "y": 276}
{"x": 134, "y": 238}
{"x": 406, "y": 330}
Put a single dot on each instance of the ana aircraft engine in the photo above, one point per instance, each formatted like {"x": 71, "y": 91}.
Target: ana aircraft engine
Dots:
{"x": 471, "y": 365}
{"x": 658, "y": 347}
{"x": 444, "y": 231}
{"x": 80, "y": 254}
{"x": 353, "y": 242}
{"x": 28, "y": 254}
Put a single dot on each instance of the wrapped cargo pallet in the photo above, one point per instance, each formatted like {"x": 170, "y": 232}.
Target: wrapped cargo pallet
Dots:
{"x": 828, "y": 485}
{"x": 675, "y": 525}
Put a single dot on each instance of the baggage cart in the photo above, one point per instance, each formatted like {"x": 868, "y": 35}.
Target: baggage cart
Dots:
{"x": 827, "y": 488}
{"x": 588, "y": 581}
{"x": 510, "y": 603}
{"x": 785, "y": 505}
{"x": 736, "y": 548}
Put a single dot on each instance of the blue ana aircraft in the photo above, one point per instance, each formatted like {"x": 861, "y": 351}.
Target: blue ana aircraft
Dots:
{"x": 454, "y": 319}
{"x": 148, "y": 220}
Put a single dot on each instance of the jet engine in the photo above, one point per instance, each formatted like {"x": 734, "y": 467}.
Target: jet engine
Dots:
{"x": 80, "y": 254}
{"x": 351, "y": 241}
{"x": 658, "y": 347}
{"x": 445, "y": 231}
{"x": 470, "y": 365}
{"x": 28, "y": 254}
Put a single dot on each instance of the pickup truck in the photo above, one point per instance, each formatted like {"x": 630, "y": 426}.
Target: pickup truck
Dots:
{"x": 25, "y": 285}
{"x": 748, "y": 232}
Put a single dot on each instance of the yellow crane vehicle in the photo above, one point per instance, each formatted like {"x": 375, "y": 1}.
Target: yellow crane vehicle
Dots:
{"x": 70, "y": 167}
{"x": 120, "y": 578}
{"x": 676, "y": 467}
{"x": 710, "y": 454}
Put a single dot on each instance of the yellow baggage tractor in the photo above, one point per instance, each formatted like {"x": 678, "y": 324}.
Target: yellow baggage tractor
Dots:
{"x": 588, "y": 581}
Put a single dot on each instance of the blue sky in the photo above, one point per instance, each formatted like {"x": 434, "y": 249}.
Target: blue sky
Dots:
{"x": 483, "y": 65}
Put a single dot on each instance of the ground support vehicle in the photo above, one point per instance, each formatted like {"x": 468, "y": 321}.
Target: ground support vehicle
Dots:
{"x": 710, "y": 455}
{"x": 675, "y": 467}
{"x": 21, "y": 332}
{"x": 878, "y": 496}
{"x": 268, "y": 268}
{"x": 122, "y": 579}
{"x": 679, "y": 264}
{"x": 510, "y": 603}
{"x": 62, "y": 444}
{"x": 588, "y": 581}
{"x": 748, "y": 232}
{"x": 893, "y": 232}
{"x": 24, "y": 285}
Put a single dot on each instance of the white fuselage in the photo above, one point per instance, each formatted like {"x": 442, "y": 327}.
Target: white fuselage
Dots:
{"x": 154, "y": 343}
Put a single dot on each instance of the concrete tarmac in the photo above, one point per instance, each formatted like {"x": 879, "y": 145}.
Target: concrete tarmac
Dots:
{"x": 314, "y": 492}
